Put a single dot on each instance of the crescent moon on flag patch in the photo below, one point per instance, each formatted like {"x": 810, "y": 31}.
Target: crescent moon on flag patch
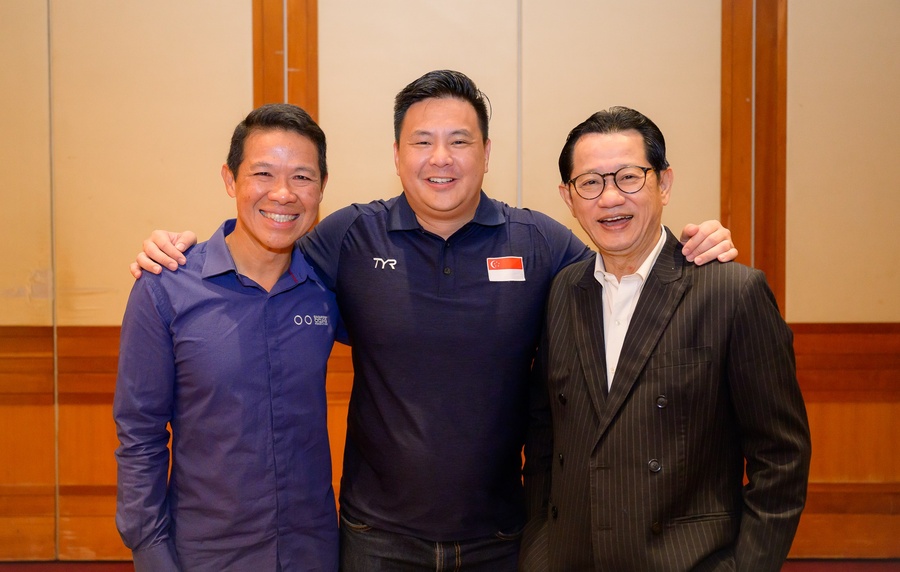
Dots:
{"x": 506, "y": 269}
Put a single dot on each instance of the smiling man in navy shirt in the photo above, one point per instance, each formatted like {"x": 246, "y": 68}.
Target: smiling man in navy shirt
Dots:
{"x": 231, "y": 352}
{"x": 442, "y": 290}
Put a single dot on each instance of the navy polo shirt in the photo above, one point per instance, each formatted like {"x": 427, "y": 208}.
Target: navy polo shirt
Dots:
{"x": 443, "y": 333}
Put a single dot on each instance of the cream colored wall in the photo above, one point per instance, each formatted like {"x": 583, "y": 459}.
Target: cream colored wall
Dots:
{"x": 667, "y": 54}
{"x": 143, "y": 99}
{"x": 661, "y": 58}
{"x": 25, "y": 278}
{"x": 368, "y": 51}
{"x": 843, "y": 199}
{"x": 139, "y": 129}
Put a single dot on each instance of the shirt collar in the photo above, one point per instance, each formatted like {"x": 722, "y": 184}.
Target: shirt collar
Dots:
{"x": 402, "y": 216}
{"x": 219, "y": 259}
{"x": 643, "y": 270}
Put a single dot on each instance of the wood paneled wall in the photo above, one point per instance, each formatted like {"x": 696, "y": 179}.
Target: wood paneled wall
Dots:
{"x": 71, "y": 517}
{"x": 850, "y": 377}
{"x": 849, "y": 373}
{"x": 27, "y": 444}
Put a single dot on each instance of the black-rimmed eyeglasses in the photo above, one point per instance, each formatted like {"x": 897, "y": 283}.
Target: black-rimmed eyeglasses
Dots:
{"x": 627, "y": 179}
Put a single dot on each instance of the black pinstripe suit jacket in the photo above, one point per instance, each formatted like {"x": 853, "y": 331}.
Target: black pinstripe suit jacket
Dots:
{"x": 650, "y": 476}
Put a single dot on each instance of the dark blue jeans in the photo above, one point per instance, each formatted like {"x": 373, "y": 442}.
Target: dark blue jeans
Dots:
{"x": 366, "y": 549}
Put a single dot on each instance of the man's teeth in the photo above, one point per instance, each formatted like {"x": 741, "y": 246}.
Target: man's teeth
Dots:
{"x": 280, "y": 217}
{"x": 440, "y": 179}
{"x": 616, "y": 218}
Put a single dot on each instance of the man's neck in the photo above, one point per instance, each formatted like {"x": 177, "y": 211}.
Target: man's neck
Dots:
{"x": 262, "y": 266}
{"x": 620, "y": 265}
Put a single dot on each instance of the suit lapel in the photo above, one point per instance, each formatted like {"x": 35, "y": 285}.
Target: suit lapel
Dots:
{"x": 659, "y": 298}
{"x": 587, "y": 317}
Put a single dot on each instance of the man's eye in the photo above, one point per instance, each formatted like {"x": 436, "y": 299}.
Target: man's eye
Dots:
{"x": 262, "y": 174}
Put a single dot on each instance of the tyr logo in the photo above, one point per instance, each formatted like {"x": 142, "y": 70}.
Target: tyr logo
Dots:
{"x": 385, "y": 262}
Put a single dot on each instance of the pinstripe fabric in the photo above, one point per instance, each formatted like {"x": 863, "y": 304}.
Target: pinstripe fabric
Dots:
{"x": 650, "y": 476}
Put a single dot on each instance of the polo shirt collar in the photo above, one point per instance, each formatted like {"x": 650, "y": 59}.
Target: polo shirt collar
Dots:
{"x": 219, "y": 259}
{"x": 402, "y": 217}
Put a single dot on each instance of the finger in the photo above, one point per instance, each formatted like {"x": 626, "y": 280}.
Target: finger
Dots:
{"x": 723, "y": 251}
{"x": 152, "y": 259}
{"x": 728, "y": 255}
{"x": 135, "y": 270}
{"x": 161, "y": 248}
{"x": 709, "y": 237}
{"x": 184, "y": 240}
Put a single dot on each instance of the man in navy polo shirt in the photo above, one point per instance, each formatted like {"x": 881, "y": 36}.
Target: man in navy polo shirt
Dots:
{"x": 442, "y": 290}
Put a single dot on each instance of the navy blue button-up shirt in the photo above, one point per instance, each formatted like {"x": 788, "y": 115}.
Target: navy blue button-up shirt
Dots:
{"x": 238, "y": 374}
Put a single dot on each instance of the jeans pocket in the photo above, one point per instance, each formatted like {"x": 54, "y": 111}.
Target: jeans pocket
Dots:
{"x": 354, "y": 526}
{"x": 512, "y": 534}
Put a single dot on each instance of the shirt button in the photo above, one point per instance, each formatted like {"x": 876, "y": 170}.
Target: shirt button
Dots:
{"x": 654, "y": 466}
{"x": 560, "y": 459}
{"x": 554, "y": 512}
{"x": 562, "y": 398}
{"x": 447, "y": 270}
{"x": 661, "y": 401}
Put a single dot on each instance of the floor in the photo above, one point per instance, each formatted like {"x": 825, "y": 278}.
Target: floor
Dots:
{"x": 791, "y": 566}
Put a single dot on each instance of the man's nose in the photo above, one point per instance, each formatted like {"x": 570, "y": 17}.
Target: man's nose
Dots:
{"x": 441, "y": 154}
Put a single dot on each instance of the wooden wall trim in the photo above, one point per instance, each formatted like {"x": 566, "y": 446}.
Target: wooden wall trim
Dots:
{"x": 754, "y": 134}
{"x": 736, "y": 190}
{"x": 851, "y": 362}
{"x": 770, "y": 145}
{"x": 302, "y": 53}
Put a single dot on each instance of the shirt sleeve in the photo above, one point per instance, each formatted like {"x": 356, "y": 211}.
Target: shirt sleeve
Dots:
{"x": 142, "y": 409}
{"x": 565, "y": 247}
{"x": 322, "y": 245}
{"x": 774, "y": 428}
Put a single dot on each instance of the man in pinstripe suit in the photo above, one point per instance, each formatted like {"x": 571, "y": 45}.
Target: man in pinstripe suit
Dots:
{"x": 661, "y": 379}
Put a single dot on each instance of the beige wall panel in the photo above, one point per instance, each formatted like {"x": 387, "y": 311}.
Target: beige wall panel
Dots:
{"x": 843, "y": 203}
{"x": 25, "y": 280}
{"x": 145, "y": 97}
{"x": 370, "y": 51}
{"x": 661, "y": 58}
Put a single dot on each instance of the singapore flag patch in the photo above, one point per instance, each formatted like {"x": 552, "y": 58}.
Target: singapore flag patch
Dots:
{"x": 506, "y": 269}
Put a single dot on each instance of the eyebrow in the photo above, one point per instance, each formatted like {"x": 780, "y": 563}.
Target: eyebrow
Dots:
{"x": 456, "y": 132}
{"x": 266, "y": 165}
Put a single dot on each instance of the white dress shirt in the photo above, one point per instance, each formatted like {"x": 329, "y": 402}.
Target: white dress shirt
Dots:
{"x": 619, "y": 301}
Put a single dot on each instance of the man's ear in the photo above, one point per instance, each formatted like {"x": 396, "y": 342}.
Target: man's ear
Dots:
{"x": 397, "y": 157}
{"x": 228, "y": 177}
{"x": 566, "y": 195}
{"x": 487, "y": 154}
{"x": 666, "y": 179}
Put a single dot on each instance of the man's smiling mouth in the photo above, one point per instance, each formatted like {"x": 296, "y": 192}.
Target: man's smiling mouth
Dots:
{"x": 280, "y": 217}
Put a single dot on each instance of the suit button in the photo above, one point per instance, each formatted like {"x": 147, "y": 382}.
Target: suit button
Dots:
{"x": 661, "y": 401}
{"x": 560, "y": 459}
{"x": 656, "y": 528}
{"x": 562, "y": 398}
{"x": 654, "y": 466}
{"x": 554, "y": 512}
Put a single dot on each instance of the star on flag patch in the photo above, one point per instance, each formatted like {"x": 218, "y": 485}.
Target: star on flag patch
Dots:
{"x": 506, "y": 269}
